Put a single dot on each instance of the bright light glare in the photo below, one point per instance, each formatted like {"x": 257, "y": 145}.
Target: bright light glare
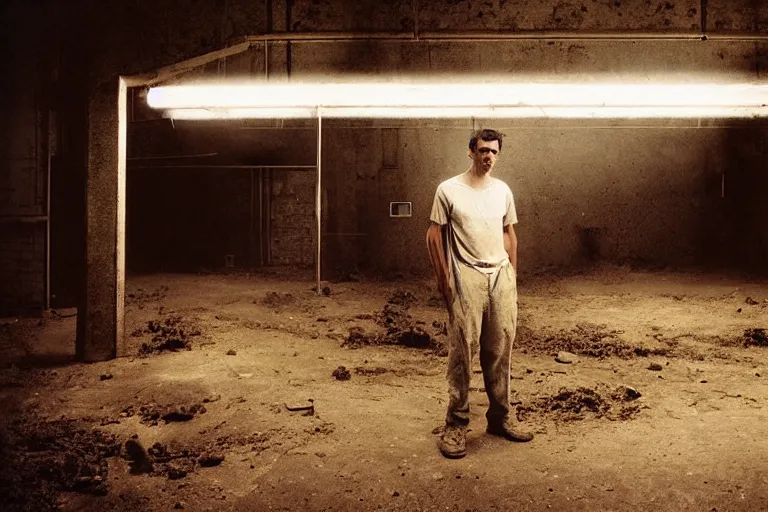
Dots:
{"x": 486, "y": 112}
{"x": 460, "y": 100}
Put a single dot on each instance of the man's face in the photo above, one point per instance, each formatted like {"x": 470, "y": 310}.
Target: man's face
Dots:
{"x": 484, "y": 157}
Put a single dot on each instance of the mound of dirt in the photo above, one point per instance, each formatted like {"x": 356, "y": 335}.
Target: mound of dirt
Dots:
{"x": 173, "y": 462}
{"x": 43, "y": 458}
{"x": 396, "y": 327}
{"x": 152, "y": 414}
{"x": 172, "y": 334}
{"x": 394, "y": 318}
{"x": 582, "y": 403}
{"x": 586, "y": 339}
{"x": 341, "y": 373}
{"x": 756, "y": 337}
{"x": 403, "y": 298}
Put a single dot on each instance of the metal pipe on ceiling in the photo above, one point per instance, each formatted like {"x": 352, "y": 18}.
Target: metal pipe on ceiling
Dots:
{"x": 169, "y": 157}
{"x": 535, "y": 35}
{"x": 214, "y": 166}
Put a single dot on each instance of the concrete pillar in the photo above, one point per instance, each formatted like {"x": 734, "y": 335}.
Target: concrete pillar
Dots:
{"x": 101, "y": 325}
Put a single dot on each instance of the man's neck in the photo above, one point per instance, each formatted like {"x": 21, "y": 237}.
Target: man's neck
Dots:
{"x": 476, "y": 178}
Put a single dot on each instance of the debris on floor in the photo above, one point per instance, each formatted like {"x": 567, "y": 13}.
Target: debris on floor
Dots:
{"x": 138, "y": 457}
{"x": 756, "y": 337}
{"x": 585, "y": 339}
{"x": 309, "y": 410}
{"x": 564, "y": 357}
{"x": 341, "y": 373}
{"x": 396, "y": 327}
{"x": 403, "y": 298}
{"x": 172, "y": 334}
{"x": 582, "y": 403}
{"x": 378, "y": 370}
{"x": 43, "y": 458}
{"x": 151, "y": 414}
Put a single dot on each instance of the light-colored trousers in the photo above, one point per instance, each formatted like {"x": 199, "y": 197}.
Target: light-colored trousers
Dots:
{"x": 483, "y": 315}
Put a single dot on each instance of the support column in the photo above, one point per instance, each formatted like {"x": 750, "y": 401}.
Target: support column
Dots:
{"x": 101, "y": 325}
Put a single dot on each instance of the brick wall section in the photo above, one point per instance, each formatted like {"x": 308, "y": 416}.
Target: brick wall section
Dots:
{"x": 22, "y": 269}
{"x": 293, "y": 217}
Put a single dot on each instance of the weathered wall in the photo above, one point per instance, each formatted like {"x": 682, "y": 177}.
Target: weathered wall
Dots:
{"x": 292, "y": 214}
{"x": 22, "y": 165}
{"x": 610, "y": 174}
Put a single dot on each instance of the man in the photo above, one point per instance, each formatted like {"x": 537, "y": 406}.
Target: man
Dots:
{"x": 473, "y": 250}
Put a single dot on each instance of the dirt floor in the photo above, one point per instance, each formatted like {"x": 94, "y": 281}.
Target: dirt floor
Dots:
{"x": 252, "y": 392}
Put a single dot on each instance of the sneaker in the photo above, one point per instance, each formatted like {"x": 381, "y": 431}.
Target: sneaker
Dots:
{"x": 453, "y": 442}
{"x": 509, "y": 431}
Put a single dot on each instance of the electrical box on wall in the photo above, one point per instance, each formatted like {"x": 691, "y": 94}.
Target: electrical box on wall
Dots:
{"x": 400, "y": 209}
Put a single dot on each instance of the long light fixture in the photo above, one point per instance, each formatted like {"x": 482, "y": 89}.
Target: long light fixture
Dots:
{"x": 456, "y": 100}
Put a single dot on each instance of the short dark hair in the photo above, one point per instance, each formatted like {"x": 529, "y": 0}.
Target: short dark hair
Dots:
{"x": 487, "y": 135}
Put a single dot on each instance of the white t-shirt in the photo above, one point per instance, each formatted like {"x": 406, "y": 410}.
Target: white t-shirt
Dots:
{"x": 476, "y": 220}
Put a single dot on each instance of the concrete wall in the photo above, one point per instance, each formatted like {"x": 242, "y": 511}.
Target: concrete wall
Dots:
{"x": 620, "y": 191}
{"x": 22, "y": 164}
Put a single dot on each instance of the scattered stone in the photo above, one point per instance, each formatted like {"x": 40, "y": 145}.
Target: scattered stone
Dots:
{"x": 566, "y": 357}
{"x": 326, "y": 290}
{"x": 106, "y": 376}
{"x": 231, "y": 352}
{"x": 655, "y": 367}
{"x": 210, "y": 459}
{"x": 341, "y": 373}
{"x": 738, "y": 310}
{"x": 175, "y": 472}
{"x": 138, "y": 457}
{"x": 751, "y": 301}
{"x": 395, "y": 494}
{"x": 211, "y": 399}
{"x": 625, "y": 394}
{"x": 322, "y": 319}
{"x": 180, "y": 505}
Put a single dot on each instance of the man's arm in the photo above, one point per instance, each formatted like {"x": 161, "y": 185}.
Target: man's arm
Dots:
{"x": 437, "y": 258}
{"x": 510, "y": 244}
